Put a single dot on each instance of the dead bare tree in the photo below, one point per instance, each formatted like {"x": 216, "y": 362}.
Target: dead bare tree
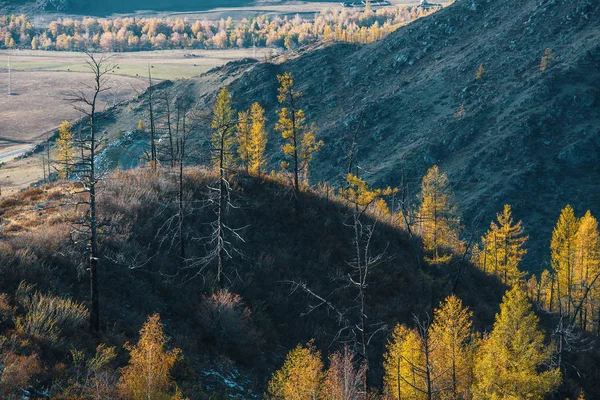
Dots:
{"x": 153, "y": 158}
{"x": 87, "y": 101}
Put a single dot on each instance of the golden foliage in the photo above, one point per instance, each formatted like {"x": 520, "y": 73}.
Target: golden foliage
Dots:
{"x": 452, "y": 350}
{"x": 440, "y": 224}
{"x": 148, "y": 374}
{"x": 223, "y": 126}
{"x": 301, "y": 142}
{"x": 243, "y": 137}
{"x": 547, "y": 59}
{"x": 563, "y": 256}
{"x": 503, "y": 248}
{"x": 300, "y": 376}
{"x": 510, "y": 363}
{"x": 257, "y": 142}
{"x": 480, "y": 72}
{"x": 66, "y": 152}
{"x": 403, "y": 364}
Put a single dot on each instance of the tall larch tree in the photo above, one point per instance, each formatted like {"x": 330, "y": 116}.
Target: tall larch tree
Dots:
{"x": 440, "y": 224}
{"x": 222, "y": 141}
{"x": 243, "y": 138}
{"x": 258, "y": 140}
{"x": 587, "y": 271}
{"x": 300, "y": 377}
{"x": 148, "y": 374}
{"x": 404, "y": 365}
{"x": 301, "y": 142}
{"x": 504, "y": 247}
{"x": 66, "y": 151}
{"x": 512, "y": 361}
{"x": 453, "y": 352}
{"x": 564, "y": 253}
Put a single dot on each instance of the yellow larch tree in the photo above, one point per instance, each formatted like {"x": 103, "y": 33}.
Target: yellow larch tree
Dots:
{"x": 258, "y": 140}
{"x": 243, "y": 138}
{"x": 300, "y": 377}
{"x": 440, "y": 224}
{"x": 223, "y": 137}
{"x": 587, "y": 268}
{"x": 510, "y": 364}
{"x": 453, "y": 352}
{"x": 503, "y": 245}
{"x": 300, "y": 140}
{"x": 563, "y": 257}
{"x": 66, "y": 151}
{"x": 148, "y": 374}
{"x": 404, "y": 364}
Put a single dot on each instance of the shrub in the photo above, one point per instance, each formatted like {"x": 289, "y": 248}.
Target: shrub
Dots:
{"x": 48, "y": 316}
{"x": 16, "y": 373}
{"x": 228, "y": 322}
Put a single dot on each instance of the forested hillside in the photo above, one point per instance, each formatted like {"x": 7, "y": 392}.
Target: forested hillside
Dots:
{"x": 342, "y": 221}
{"x": 503, "y": 95}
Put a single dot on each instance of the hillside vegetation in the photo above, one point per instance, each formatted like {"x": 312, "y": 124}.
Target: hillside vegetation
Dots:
{"x": 515, "y": 131}
{"x": 284, "y": 240}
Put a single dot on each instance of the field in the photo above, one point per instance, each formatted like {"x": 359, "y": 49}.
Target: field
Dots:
{"x": 42, "y": 80}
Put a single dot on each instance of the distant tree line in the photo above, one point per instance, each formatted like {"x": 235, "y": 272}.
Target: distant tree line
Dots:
{"x": 137, "y": 34}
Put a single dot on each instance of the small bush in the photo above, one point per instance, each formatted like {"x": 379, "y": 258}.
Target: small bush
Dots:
{"x": 48, "y": 316}
{"x": 16, "y": 374}
{"x": 228, "y": 322}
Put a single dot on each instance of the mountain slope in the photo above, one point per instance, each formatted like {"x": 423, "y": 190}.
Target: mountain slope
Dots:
{"x": 527, "y": 137}
{"x": 286, "y": 239}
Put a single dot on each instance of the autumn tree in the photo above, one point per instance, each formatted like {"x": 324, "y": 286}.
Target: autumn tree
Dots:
{"x": 300, "y": 377}
{"x": 148, "y": 373}
{"x": 257, "y": 142}
{"x": 480, "y": 72}
{"x": 344, "y": 378}
{"x": 563, "y": 256}
{"x": 586, "y": 291}
{"x": 404, "y": 365}
{"x": 301, "y": 142}
{"x": 503, "y": 247}
{"x": 222, "y": 142}
{"x": 243, "y": 138}
{"x": 440, "y": 224}
{"x": 512, "y": 361}
{"x": 66, "y": 151}
{"x": 451, "y": 333}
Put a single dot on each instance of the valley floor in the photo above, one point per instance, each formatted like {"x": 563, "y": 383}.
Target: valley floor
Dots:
{"x": 42, "y": 80}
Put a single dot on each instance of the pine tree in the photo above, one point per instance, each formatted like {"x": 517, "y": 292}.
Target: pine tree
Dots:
{"x": 148, "y": 374}
{"x": 301, "y": 142}
{"x": 300, "y": 377}
{"x": 258, "y": 140}
{"x": 440, "y": 225}
{"x": 564, "y": 252}
{"x": 66, "y": 152}
{"x": 511, "y": 362}
{"x": 451, "y": 333}
{"x": 503, "y": 246}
